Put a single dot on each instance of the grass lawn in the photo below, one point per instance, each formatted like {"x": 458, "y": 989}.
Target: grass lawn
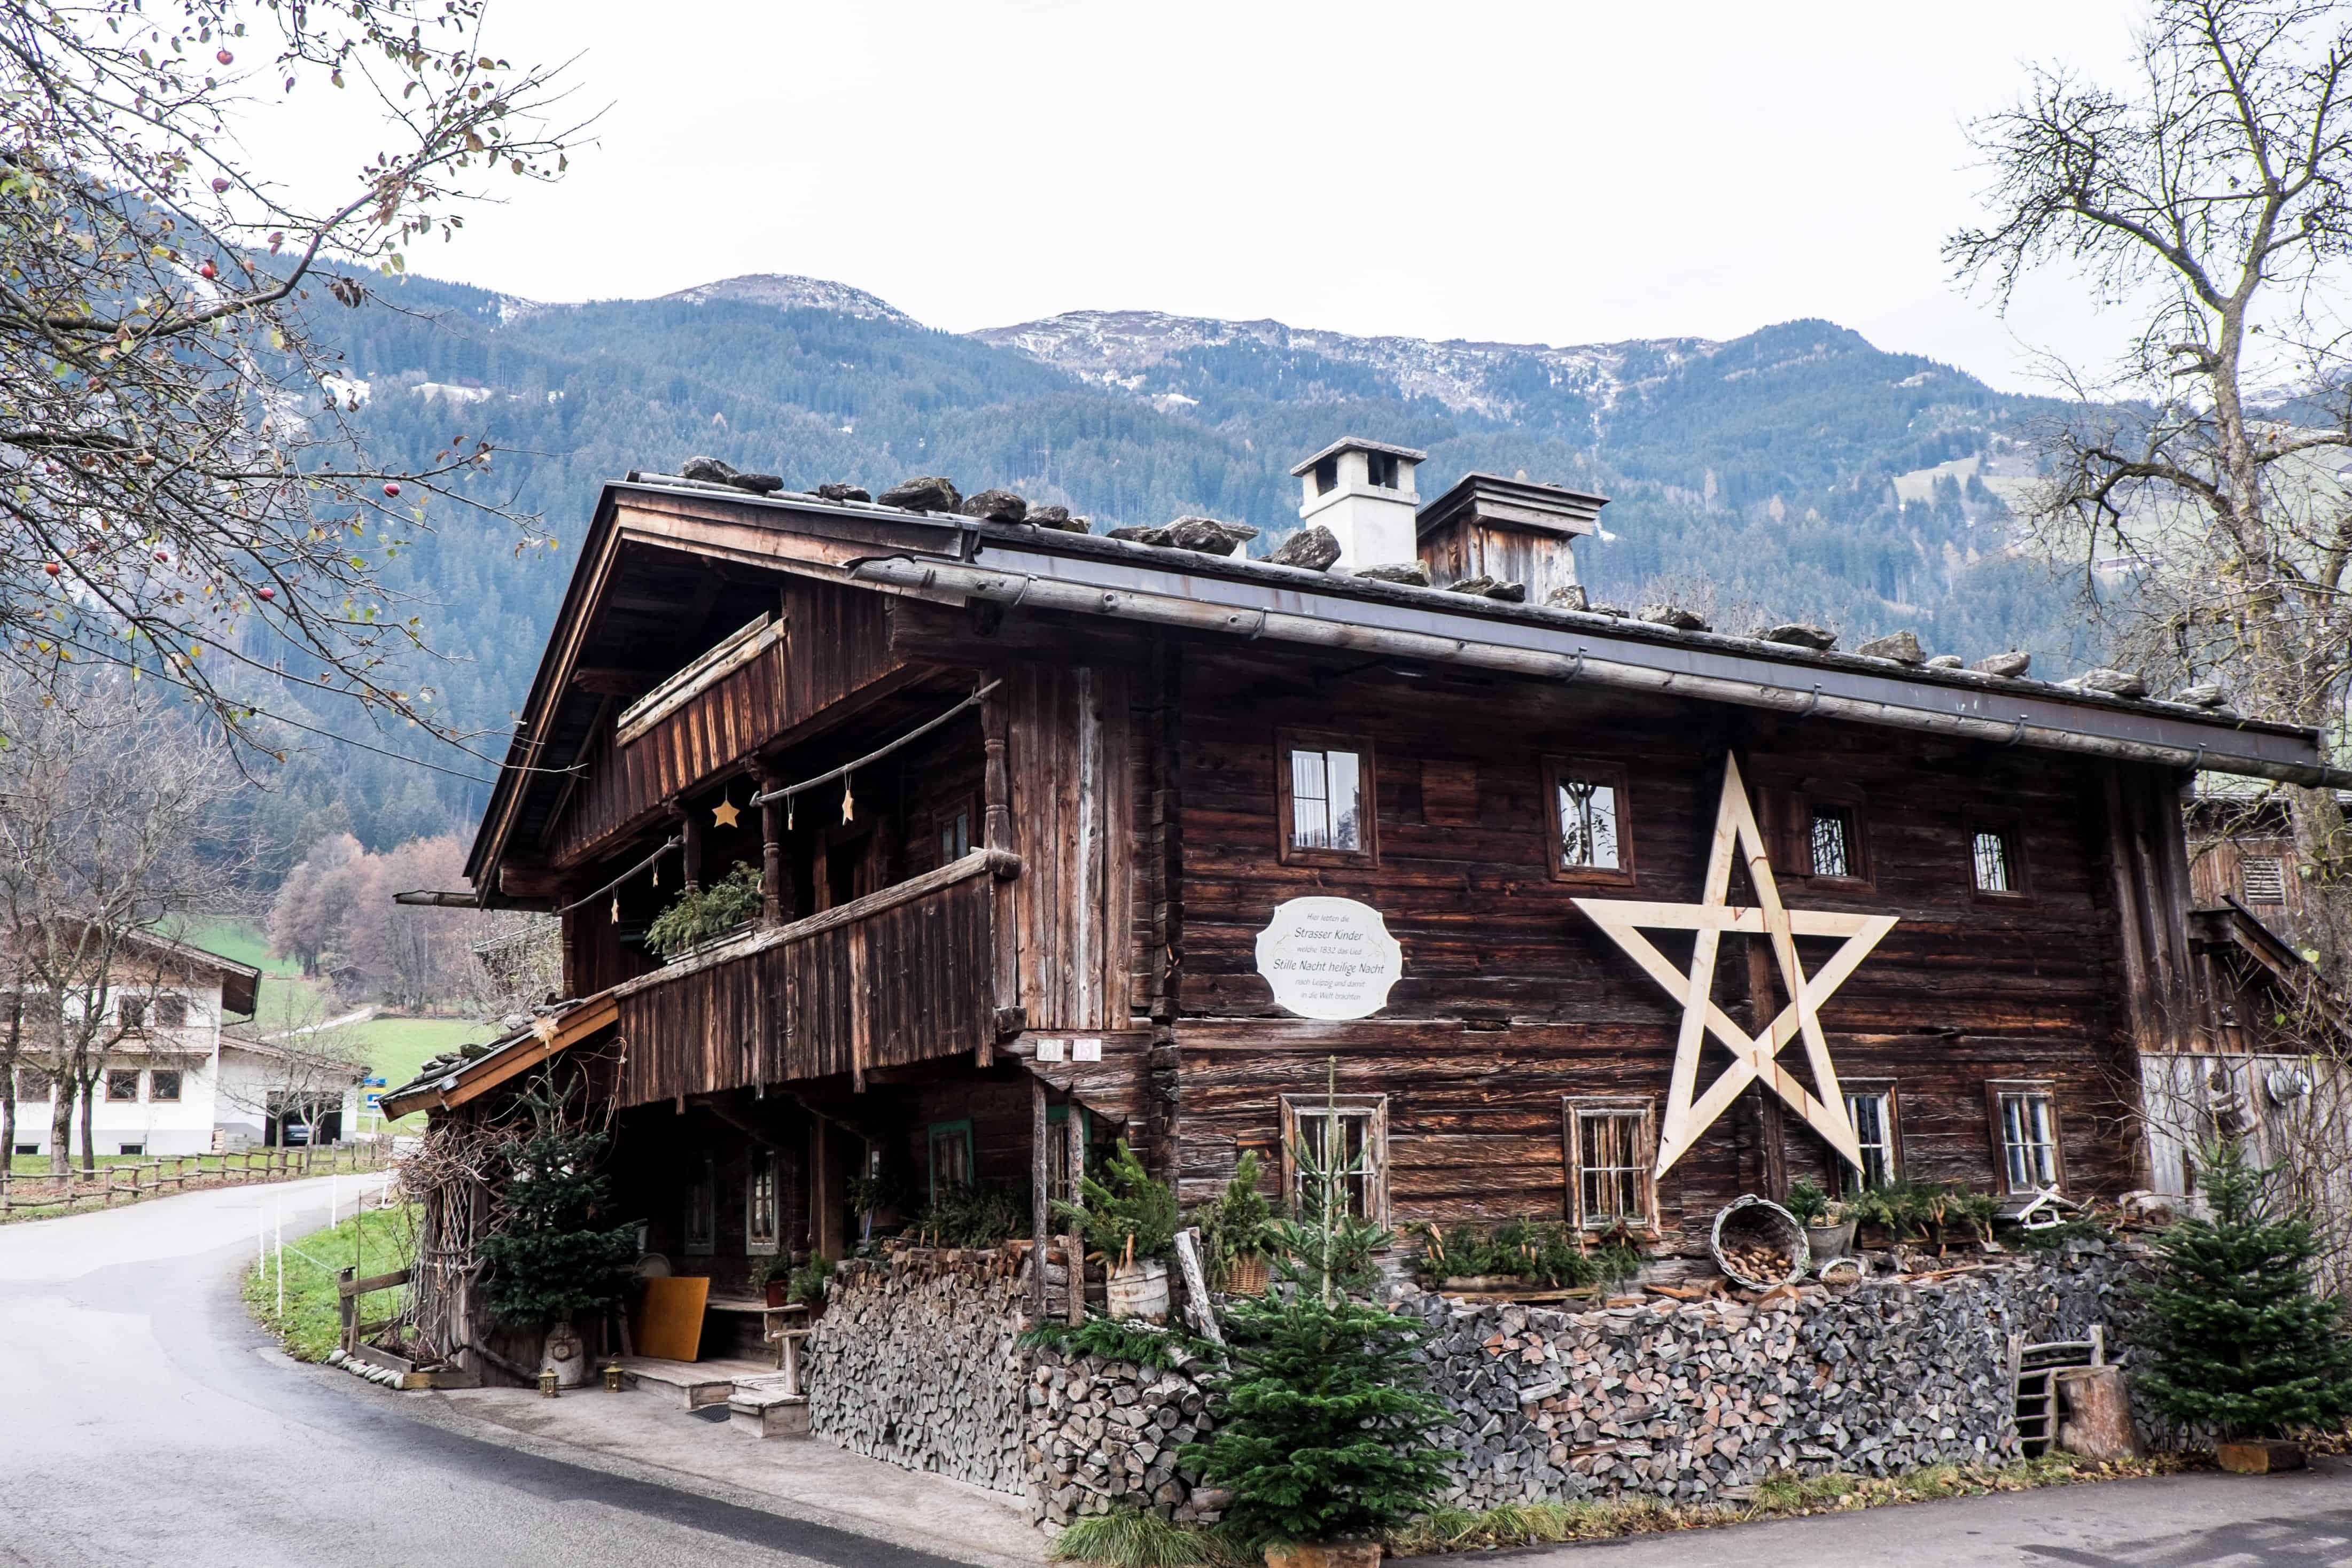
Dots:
{"x": 396, "y": 1048}
{"x": 39, "y": 1164}
{"x": 372, "y": 1241}
{"x": 244, "y": 944}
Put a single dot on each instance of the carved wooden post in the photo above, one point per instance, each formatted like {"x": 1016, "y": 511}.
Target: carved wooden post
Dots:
{"x": 996, "y": 831}
{"x": 774, "y": 894}
{"x": 690, "y": 829}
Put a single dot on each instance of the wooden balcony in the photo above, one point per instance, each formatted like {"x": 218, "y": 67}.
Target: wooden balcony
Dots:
{"x": 901, "y": 975}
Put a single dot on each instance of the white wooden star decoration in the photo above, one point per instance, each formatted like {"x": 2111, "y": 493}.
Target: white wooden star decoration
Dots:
{"x": 1752, "y": 1059}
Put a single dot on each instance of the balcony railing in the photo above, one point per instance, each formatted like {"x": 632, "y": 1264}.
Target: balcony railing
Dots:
{"x": 900, "y": 976}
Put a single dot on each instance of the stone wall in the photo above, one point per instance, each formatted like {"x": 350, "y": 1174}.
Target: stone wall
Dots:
{"x": 917, "y": 1362}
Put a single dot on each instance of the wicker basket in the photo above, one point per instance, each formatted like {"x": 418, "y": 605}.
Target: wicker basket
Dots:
{"x": 1246, "y": 1276}
{"x": 1750, "y": 1220}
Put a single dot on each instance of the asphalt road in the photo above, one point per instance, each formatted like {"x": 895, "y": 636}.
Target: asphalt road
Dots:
{"x": 143, "y": 1419}
{"x": 2199, "y": 1520}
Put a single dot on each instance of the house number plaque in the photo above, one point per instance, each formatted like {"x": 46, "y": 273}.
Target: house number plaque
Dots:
{"x": 1330, "y": 959}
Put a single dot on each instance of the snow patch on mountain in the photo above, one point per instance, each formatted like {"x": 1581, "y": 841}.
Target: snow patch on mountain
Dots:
{"x": 1122, "y": 349}
{"x": 786, "y": 292}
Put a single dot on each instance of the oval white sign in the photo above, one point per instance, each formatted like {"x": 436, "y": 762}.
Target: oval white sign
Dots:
{"x": 1330, "y": 959}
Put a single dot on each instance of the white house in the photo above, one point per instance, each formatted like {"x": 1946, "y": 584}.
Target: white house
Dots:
{"x": 176, "y": 1083}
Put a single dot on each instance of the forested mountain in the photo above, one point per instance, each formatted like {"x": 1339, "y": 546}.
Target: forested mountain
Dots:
{"x": 1758, "y": 474}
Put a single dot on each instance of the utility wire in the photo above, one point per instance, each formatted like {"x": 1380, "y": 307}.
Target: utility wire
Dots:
{"x": 876, "y": 755}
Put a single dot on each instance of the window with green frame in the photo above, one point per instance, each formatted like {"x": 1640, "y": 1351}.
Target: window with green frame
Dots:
{"x": 951, "y": 1164}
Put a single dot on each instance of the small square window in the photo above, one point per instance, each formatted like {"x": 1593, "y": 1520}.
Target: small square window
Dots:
{"x": 1590, "y": 834}
{"x": 951, "y": 1161}
{"x": 1832, "y": 840}
{"x": 32, "y": 1083}
{"x": 701, "y": 1203}
{"x": 2026, "y": 1126}
{"x": 163, "y": 1085}
{"x": 1610, "y": 1155}
{"x": 1348, "y": 1135}
{"x": 1326, "y": 799}
{"x": 130, "y": 1011}
{"x": 1997, "y": 868}
{"x": 762, "y": 1207}
{"x": 171, "y": 1013}
{"x": 2263, "y": 878}
{"x": 122, "y": 1083}
{"x": 1871, "y": 1109}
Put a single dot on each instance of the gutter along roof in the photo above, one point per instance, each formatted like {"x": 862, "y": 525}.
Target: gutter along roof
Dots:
{"x": 941, "y": 556}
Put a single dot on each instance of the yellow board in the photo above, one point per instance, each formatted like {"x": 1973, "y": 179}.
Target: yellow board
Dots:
{"x": 673, "y": 1318}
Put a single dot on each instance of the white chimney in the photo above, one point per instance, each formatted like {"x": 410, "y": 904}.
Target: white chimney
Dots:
{"x": 1363, "y": 491}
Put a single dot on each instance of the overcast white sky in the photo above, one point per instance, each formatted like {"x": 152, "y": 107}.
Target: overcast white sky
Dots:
{"x": 1560, "y": 173}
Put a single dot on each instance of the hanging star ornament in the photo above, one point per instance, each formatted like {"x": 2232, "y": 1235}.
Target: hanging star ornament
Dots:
{"x": 727, "y": 814}
{"x": 1752, "y": 1059}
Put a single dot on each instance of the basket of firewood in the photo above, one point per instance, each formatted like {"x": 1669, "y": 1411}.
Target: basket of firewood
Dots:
{"x": 1758, "y": 1244}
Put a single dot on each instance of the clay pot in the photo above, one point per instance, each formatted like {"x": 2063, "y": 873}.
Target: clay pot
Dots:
{"x": 1829, "y": 1242}
{"x": 776, "y": 1289}
{"x": 2259, "y": 1456}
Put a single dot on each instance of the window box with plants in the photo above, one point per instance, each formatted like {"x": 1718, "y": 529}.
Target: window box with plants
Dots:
{"x": 1520, "y": 1257}
{"x": 702, "y": 915}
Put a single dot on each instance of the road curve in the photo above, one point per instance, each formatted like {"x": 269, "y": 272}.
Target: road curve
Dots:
{"x": 144, "y": 1419}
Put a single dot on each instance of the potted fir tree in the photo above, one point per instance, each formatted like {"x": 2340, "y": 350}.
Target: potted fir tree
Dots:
{"x": 1828, "y": 1229}
{"x": 1131, "y": 1219}
{"x": 1324, "y": 1415}
{"x": 2242, "y": 1340}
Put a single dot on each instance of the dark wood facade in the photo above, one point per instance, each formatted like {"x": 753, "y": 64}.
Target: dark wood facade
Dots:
{"x": 1086, "y": 856}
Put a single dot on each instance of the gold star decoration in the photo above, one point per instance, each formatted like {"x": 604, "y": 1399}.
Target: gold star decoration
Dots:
{"x": 1752, "y": 1059}
{"x": 726, "y": 815}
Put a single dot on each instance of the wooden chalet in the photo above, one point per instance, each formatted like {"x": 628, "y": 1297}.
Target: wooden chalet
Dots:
{"x": 1048, "y": 789}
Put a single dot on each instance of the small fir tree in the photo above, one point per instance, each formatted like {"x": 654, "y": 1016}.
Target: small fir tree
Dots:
{"x": 1325, "y": 1414}
{"x": 2240, "y": 1340}
{"x": 558, "y": 1253}
{"x": 1127, "y": 1214}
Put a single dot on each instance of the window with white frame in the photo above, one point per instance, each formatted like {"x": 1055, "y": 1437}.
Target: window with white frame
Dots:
{"x": 2025, "y": 1121}
{"x": 1344, "y": 1136}
{"x": 762, "y": 1205}
{"x": 1610, "y": 1155}
{"x": 2261, "y": 879}
{"x": 1870, "y": 1107}
{"x": 701, "y": 1202}
{"x": 1326, "y": 789}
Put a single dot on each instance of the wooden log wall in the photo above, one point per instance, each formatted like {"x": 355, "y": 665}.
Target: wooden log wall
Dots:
{"x": 836, "y": 639}
{"x": 1069, "y": 751}
{"x": 1512, "y": 999}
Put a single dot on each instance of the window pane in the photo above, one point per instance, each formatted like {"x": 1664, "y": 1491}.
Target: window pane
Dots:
{"x": 122, "y": 1084}
{"x": 1609, "y": 1143}
{"x": 1873, "y": 1125}
{"x": 1587, "y": 824}
{"x": 164, "y": 1086}
{"x": 1993, "y": 863}
{"x": 2264, "y": 878}
{"x": 1345, "y": 805}
{"x": 1832, "y": 852}
{"x": 171, "y": 1013}
{"x": 1310, "y": 816}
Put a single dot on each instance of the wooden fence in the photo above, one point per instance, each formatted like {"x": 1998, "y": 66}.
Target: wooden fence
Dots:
{"x": 173, "y": 1173}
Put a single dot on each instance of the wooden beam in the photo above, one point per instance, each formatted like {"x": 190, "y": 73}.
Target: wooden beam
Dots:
{"x": 1038, "y": 1132}
{"x": 608, "y": 681}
